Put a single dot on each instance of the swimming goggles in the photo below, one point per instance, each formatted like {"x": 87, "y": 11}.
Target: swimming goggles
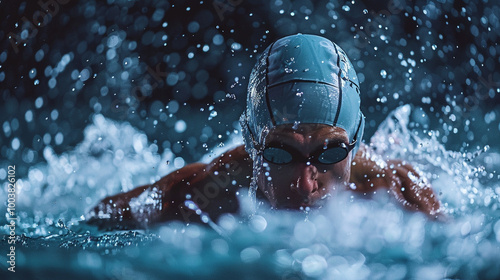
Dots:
{"x": 330, "y": 154}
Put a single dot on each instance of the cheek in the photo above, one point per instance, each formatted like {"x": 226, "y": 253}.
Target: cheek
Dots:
{"x": 334, "y": 174}
{"x": 273, "y": 176}
{"x": 265, "y": 181}
{"x": 274, "y": 181}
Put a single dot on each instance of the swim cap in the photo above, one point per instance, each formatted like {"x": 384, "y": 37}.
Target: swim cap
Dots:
{"x": 302, "y": 79}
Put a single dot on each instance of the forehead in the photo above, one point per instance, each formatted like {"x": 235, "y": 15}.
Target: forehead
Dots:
{"x": 307, "y": 133}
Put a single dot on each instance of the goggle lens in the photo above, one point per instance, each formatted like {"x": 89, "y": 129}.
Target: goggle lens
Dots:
{"x": 277, "y": 155}
{"x": 333, "y": 155}
{"x": 330, "y": 155}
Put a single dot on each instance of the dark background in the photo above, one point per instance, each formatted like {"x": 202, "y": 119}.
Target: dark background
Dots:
{"x": 152, "y": 63}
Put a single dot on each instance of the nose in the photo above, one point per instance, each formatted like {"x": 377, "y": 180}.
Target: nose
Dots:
{"x": 307, "y": 181}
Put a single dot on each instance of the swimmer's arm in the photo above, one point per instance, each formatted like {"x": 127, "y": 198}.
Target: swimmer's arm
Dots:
{"x": 369, "y": 172}
{"x": 164, "y": 200}
{"x": 144, "y": 205}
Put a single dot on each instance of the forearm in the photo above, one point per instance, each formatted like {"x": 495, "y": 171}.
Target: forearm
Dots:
{"x": 115, "y": 211}
{"x": 147, "y": 204}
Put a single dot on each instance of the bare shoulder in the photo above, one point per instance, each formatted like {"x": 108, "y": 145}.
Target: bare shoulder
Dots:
{"x": 367, "y": 169}
{"x": 233, "y": 160}
{"x": 215, "y": 191}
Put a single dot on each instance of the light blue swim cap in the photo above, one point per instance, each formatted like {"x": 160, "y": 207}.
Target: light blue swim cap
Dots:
{"x": 302, "y": 79}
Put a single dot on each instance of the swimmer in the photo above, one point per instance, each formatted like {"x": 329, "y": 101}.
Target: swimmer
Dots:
{"x": 302, "y": 131}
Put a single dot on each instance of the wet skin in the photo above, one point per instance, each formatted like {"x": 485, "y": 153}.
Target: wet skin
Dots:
{"x": 295, "y": 185}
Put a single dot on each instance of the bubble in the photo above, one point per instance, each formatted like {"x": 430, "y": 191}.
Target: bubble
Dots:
{"x": 15, "y": 144}
{"x": 84, "y": 75}
{"x": 113, "y": 41}
{"x": 110, "y": 54}
{"x": 193, "y": 27}
{"x": 39, "y": 102}
{"x": 32, "y": 73}
{"x": 173, "y": 106}
{"x": 59, "y": 138}
{"x": 54, "y": 114}
{"x": 249, "y": 255}
{"x": 227, "y": 222}
{"x": 36, "y": 174}
{"x": 220, "y": 246}
{"x": 236, "y": 46}
{"x": 301, "y": 254}
{"x": 132, "y": 45}
{"x": 179, "y": 162}
{"x": 213, "y": 114}
{"x": 6, "y": 128}
{"x": 158, "y": 15}
{"x": 24, "y": 34}
{"x": 28, "y": 116}
{"x": 75, "y": 74}
{"x": 314, "y": 265}
{"x": 172, "y": 79}
{"x": 3, "y": 56}
{"x": 383, "y": 73}
{"x": 180, "y": 126}
{"x": 258, "y": 223}
{"x": 52, "y": 83}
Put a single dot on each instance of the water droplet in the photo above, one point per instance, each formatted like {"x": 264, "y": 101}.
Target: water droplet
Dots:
{"x": 383, "y": 73}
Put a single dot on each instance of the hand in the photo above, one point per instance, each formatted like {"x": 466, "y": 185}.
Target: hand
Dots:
{"x": 115, "y": 212}
{"x": 411, "y": 189}
{"x": 370, "y": 172}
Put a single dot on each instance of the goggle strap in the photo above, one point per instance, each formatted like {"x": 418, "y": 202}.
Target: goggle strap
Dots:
{"x": 354, "y": 140}
{"x": 256, "y": 144}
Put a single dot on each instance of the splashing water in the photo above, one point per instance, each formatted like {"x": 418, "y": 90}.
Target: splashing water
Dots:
{"x": 394, "y": 140}
{"x": 351, "y": 238}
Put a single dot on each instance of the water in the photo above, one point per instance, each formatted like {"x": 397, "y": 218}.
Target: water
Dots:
{"x": 353, "y": 238}
{"x": 109, "y": 95}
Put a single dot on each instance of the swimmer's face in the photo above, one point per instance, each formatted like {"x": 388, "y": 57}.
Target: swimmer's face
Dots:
{"x": 303, "y": 183}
